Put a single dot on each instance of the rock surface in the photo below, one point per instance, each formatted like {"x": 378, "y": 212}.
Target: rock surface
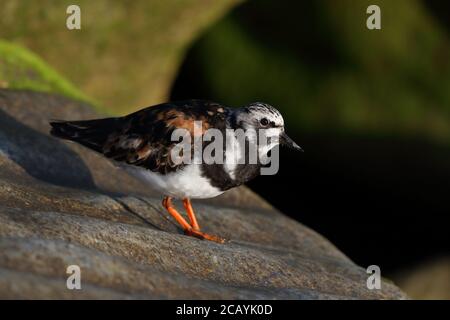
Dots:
{"x": 61, "y": 205}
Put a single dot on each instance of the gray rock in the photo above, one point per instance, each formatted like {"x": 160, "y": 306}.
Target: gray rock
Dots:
{"x": 61, "y": 204}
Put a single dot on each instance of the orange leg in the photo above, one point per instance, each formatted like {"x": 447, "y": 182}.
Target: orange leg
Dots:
{"x": 167, "y": 203}
{"x": 191, "y": 215}
{"x": 188, "y": 229}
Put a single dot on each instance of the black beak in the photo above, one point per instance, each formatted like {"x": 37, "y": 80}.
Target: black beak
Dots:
{"x": 288, "y": 142}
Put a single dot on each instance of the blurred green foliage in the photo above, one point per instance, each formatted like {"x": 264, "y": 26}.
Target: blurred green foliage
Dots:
{"x": 315, "y": 60}
{"x": 319, "y": 64}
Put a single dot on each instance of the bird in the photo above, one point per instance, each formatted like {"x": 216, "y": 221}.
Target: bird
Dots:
{"x": 142, "y": 144}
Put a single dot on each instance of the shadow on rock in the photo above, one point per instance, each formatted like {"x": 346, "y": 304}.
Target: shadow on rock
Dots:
{"x": 42, "y": 157}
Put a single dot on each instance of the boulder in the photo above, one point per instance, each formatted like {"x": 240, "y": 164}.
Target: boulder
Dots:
{"x": 126, "y": 53}
{"x": 61, "y": 205}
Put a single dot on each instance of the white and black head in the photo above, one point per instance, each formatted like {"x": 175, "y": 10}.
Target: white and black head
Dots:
{"x": 259, "y": 115}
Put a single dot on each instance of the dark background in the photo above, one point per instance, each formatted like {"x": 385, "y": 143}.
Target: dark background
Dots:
{"x": 377, "y": 189}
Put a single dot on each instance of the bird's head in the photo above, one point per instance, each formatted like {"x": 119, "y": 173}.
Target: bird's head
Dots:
{"x": 259, "y": 115}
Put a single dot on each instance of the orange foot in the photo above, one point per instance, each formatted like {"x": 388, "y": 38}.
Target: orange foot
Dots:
{"x": 191, "y": 229}
{"x": 204, "y": 236}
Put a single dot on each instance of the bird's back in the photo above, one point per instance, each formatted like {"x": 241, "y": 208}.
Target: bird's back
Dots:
{"x": 143, "y": 138}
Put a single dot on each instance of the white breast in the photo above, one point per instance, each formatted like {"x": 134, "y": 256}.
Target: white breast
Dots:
{"x": 233, "y": 154}
{"x": 184, "y": 183}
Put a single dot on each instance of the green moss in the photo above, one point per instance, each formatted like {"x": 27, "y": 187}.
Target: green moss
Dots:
{"x": 22, "y": 69}
{"x": 126, "y": 54}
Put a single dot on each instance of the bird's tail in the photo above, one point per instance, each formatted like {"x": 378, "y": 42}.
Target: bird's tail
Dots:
{"x": 90, "y": 133}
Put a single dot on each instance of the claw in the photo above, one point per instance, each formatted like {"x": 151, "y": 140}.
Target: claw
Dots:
{"x": 204, "y": 236}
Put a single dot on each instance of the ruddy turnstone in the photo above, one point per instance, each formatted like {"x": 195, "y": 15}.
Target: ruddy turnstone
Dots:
{"x": 143, "y": 144}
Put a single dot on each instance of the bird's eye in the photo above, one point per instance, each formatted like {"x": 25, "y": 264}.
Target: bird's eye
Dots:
{"x": 264, "y": 121}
